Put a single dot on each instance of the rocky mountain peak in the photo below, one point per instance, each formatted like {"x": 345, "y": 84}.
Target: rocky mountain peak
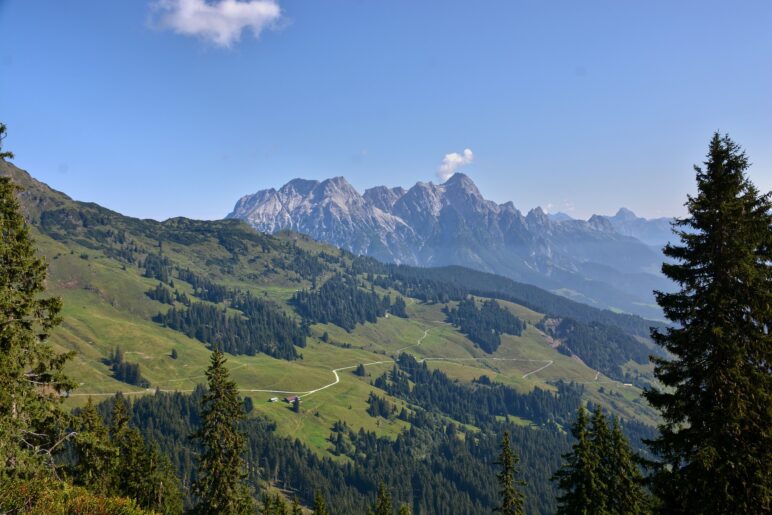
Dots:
{"x": 537, "y": 216}
{"x": 462, "y": 182}
{"x": 339, "y": 188}
{"x": 453, "y": 224}
{"x": 383, "y": 197}
{"x": 300, "y": 187}
{"x": 508, "y": 207}
{"x": 600, "y": 223}
{"x": 625, "y": 215}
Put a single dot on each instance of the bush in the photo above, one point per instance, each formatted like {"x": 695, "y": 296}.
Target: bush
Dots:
{"x": 49, "y": 497}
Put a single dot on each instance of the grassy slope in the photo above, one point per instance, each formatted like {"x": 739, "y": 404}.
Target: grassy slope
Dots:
{"x": 105, "y": 306}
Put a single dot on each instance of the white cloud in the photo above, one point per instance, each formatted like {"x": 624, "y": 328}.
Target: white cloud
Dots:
{"x": 451, "y": 162}
{"x": 219, "y": 21}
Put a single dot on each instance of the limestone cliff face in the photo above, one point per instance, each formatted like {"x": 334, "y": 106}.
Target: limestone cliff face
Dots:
{"x": 452, "y": 223}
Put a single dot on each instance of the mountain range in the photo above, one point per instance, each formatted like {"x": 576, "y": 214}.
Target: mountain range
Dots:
{"x": 610, "y": 262}
{"x": 656, "y": 232}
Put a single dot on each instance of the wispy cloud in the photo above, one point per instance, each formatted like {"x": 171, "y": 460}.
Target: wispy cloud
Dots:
{"x": 565, "y": 207}
{"x": 218, "y": 21}
{"x": 453, "y": 161}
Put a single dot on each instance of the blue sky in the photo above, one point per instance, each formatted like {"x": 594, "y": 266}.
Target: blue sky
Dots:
{"x": 167, "y": 108}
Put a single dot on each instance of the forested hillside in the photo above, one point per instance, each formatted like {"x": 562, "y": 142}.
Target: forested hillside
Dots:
{"x": 417, "y": 370}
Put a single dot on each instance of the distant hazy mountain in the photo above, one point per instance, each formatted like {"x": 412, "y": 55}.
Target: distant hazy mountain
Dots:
{"x": 559, "y": 217}
{"x": 654, "y": 231}
{"x": 452, "y": 224}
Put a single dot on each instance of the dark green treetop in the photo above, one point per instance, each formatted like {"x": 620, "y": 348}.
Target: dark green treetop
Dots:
{"x": 95, "y": 455}
{"x": 625, "y": 494}
{"x": 600, "y": 443}
{"x": 320, "y": 505}
{"x": 220, "y": 485}
{"x": 383, "y": 504}
{"x": 6, "y": 154}
{"x": 512, "y": 498}
{"x": 578, "y": 478}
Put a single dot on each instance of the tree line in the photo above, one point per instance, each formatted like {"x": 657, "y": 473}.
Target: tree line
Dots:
{"x": 340, "y": 301}
{"x": 484, "y": 325}
{"x": 477, "y": 404}
{"x": 124, "y": 371}
{"x": 261, "y": 327}
{"x": 601, "y": 347}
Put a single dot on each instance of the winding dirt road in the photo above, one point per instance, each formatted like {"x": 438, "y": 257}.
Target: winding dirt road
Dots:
{"x": 334, "y": 371}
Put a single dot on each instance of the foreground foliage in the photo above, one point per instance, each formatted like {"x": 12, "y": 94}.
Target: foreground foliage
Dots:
{"x": 33, "y": 428}
{"x": 31, "y": 377}
{"x": 717, "y": 397}
{"x": 51, "y": 497}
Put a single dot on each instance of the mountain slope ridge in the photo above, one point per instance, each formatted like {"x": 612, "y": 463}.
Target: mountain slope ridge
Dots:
{"x": 453, "y": 224}
{"x": 104, "y": 265}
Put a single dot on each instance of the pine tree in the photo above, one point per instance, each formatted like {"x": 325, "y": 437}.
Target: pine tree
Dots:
{"x": 129, "y": 472}
{"x": 31, "y": 377}
{"x": 130, "y": 446}
{"x": 715, "y": 444}
{"x": 383, "y": 505}
{"x": 119, "y": 417}
{"x": 320, "y": 505}
{"x": 600, "y": 442}
{"x": 296, "y": 509}
{"x": 512, "y": 498}
{"x": 274, "y": 505}
{"x": 578, "y": 477}
{"x": 4, "y": 155}
{"x": 160, "y": 489}
{"x": 95, "y": 455}
{"x": 219, "y": 486}
{"x": 624, "y": 492}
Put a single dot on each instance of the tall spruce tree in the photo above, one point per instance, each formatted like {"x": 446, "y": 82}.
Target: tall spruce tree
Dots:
{"x": 624, "y": 491}
{"x": 600, "y": 442}
{"x": 715, "y": 443}
{"x": 140, "y": 472}
{"x": 95, "y": 455}
{"x": 578, "y": 478}
{"x": 618, "y": 478}
{"x": 512, "y": 498}
{"x": 220, "y": 485}
{"x": 31, "y": 377}
{"x": 128, "y": 473}
{"x": 383, "y": 504}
